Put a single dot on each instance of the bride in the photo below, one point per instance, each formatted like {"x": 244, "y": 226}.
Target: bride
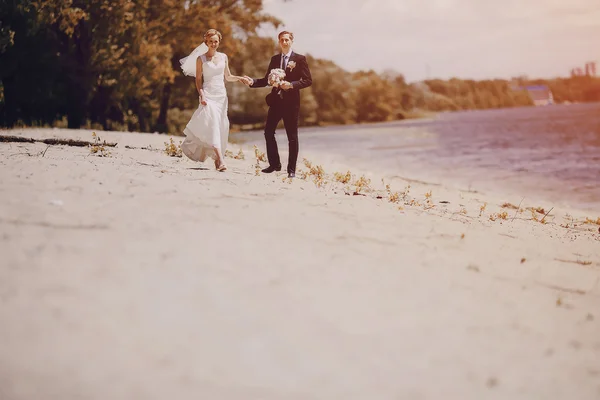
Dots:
{"x": 207, "y": 131}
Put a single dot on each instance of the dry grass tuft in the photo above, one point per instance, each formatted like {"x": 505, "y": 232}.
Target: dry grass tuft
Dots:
{"x": 260, "y": 156}
{"x": 98, "y": 147}
{"x": 591, "y": 221}
{"x": 317, "y": 172}
{"x": 503, "y": 215}
{"x": 239, "y": 156}
{"x": 393, "y": 197}
{"x": 342, "y": 178}
{"x": 534, "y": 215}
{"x": 413, "y": 202}
{"x": 173, "y": 150}
{"x": 482, "y": 209}
{"x": 539, "y": 210}
{"x": 428, "y": 204}
{"x": 405, "y": 193}
{"x": 362, "y": 184}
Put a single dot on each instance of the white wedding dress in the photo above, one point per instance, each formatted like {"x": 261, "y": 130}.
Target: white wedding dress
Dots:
{"x": 209, "y": 126}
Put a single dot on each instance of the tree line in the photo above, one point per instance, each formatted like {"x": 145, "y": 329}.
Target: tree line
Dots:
{"x": 114, "y": 65}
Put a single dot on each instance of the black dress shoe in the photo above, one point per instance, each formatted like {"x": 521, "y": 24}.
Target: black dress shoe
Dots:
{"x": 291, "y": 175}
{"x": 271, "y": 168}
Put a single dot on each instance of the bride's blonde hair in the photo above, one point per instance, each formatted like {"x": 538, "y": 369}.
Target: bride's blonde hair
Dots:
{"x": 212, "y": 32}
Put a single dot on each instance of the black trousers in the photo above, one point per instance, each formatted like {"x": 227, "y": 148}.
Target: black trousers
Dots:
{"x": 289, "y": 113}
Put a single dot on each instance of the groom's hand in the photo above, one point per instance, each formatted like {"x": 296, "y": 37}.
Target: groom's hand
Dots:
{"x": 286, "y": 85}
{"x": 248, "y": 81}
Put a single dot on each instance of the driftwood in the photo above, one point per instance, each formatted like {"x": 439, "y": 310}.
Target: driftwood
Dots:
{"x": 142, "y": 148}
{"x": 53, "y": 141}
{"x": 4, "y": 138}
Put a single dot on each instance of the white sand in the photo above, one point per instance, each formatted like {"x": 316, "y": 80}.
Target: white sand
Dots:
{"x": 137, "y": 276}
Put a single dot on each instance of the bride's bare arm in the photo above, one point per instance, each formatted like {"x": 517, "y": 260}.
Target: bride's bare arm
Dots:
{"x": 228, "y": 76}
{"x": 199, "y": 80}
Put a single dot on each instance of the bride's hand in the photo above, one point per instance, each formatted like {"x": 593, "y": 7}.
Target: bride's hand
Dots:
{"x": 246, "y": 80}
{"x": 202, "y": 101}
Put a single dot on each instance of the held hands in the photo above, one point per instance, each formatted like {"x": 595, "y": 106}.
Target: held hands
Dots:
{"x": 246, "y": 80}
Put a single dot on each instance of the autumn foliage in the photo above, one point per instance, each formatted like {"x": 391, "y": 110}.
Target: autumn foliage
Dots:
{"x": 113, "y": 64}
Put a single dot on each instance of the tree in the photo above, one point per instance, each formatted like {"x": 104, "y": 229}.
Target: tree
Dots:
{"x": 333, "y": 92}
{"x": 247, "y": 106}
{"x": 114, "y": 59}
{"x": 374, "y": 99}
{"x": 29, "y": 68}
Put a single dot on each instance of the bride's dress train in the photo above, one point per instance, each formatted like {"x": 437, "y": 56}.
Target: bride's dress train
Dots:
{"x": 209, "y": 126}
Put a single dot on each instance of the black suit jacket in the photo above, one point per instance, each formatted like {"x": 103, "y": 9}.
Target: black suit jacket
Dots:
{"x": 299, "y": 76}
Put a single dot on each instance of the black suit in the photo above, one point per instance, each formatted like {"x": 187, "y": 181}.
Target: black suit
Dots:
{"x": 285, "y": 104}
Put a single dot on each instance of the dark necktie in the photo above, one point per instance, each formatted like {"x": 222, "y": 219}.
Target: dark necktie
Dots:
{"x": 283, "y": 66}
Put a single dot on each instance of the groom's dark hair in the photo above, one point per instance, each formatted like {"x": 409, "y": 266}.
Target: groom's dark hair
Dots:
{"x": 285, "y": 32}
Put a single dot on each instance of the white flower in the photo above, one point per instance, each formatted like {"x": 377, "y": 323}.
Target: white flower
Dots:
{"x": 276, "y": 77}
{"x": 291, "y": 65}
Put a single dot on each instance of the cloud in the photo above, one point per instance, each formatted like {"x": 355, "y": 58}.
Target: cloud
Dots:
{"x": 464, "y": 38}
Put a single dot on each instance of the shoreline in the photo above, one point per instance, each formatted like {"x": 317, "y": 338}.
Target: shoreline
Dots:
{"x": 415, "y": 115}
{"x": 143, "y": 275}
{"x": 330, "y": 166}
{"x": 410, "y": 150}
{"x": 497, "y": 192}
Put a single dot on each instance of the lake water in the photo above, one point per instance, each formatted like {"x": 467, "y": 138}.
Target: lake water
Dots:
{"x": 550, "y": 153}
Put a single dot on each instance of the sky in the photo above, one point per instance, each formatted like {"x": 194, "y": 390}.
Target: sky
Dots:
{"x": 469, "y": 39}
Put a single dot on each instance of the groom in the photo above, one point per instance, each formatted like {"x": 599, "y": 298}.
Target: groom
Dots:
{"x": 284, "y": 101}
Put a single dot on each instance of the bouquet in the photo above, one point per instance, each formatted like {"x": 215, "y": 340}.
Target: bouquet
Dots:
{"x": 276, "y": 77}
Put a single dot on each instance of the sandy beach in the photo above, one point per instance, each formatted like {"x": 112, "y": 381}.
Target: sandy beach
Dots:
{"x": 144, "y": 276}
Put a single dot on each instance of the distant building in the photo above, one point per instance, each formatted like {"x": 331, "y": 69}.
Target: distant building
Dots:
{"x": 588, "y": 70}
{"x": 541, "y": 95}
{"x": 577, "y": 72}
